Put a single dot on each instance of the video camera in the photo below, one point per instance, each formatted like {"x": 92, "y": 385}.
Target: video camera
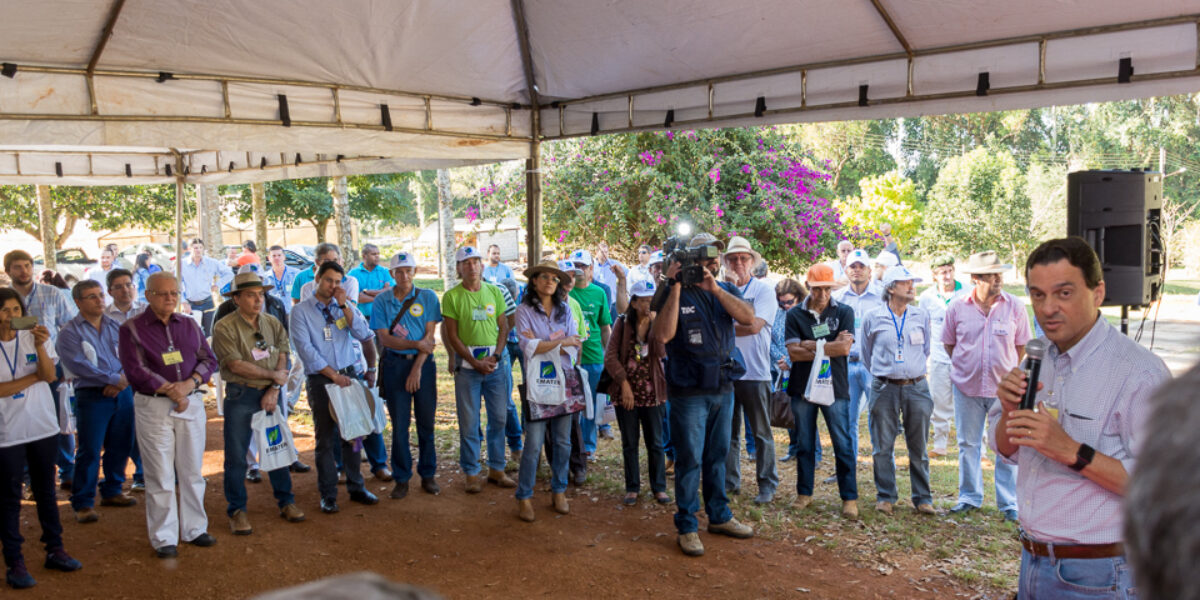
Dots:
{"x": 691, "y": 271}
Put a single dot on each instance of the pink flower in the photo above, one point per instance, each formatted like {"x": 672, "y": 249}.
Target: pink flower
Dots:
{"x": 715, "y": 174}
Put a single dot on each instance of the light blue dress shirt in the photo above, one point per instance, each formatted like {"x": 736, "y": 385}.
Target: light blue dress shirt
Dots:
{"x": 108, "y": 369}
{"x": 307, "y": 325}
{"x": 198, "y": 279}
{"x": 883, "y": 335}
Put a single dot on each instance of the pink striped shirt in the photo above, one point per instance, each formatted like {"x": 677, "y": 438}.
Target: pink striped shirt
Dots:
{"x": 985, "y": 346}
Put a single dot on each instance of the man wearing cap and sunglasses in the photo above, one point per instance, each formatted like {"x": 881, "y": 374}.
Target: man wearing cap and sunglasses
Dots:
{"x": 862, "y": 295}
{"x": 252, "y": 348}
{"x": 985, "y": 335}
{"x": 404, "y": 319}
{"x": 895, "y": 349}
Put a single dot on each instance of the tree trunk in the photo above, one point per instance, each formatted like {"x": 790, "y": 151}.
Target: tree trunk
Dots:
{"x": 446, "y": 230}
{"x": 320, "y": 225}
{"x": 48, "y": 222}
{"x": 418, "y": 191}
{"x": 259, "y": 198}
{"x": 341, "y": 218}
{"x": 68, "y": 228}
{"x": 211, "y": 228}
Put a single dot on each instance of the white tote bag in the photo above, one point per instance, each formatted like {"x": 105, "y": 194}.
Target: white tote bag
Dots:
{"x": 274, "y": 440}
{"x": 820, "y": 379}
{"x": 66, "y": 407}
{"x": 352, "y": 409}
{"x": 544, "y": 381}
{"x": 379, "y": 418}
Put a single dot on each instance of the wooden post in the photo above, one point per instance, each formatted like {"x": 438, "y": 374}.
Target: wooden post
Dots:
{"x": 533, "y": 202}
{"x": 48, "y": 226}
{"x": 212, "y": 231}
{"x": 447, "y": 244}
{"x": 259, "y": 197}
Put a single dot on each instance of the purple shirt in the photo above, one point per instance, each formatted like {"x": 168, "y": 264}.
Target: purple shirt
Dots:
{"x": 1100, "y": 392}
{"x": 542, "y": 327}
{"x": 985, "y": 346}
{"x": 144, "y": 340}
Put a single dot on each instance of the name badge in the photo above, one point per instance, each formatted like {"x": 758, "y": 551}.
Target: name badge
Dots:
{"x": 1000, "y": 331}
{"x": 400, "y": 331}
{"x": 328, "y": 333}
{"x": 259, "y": 354}
{"x": 899, "y": 355}
{"x": 916, "y": 338}
{"x": 341, "y": 323}
{"x": 172, "y": 358}
{"x": 479, "y": 314}
{"x": 820, "y": 331}
{"x": 695, "y": 338}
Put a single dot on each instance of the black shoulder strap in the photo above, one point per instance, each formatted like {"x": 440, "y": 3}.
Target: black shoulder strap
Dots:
{"x": 403, "y": 309}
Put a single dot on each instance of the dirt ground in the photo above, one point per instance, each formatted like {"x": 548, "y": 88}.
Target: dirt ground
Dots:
{"x": 459, "y": 545}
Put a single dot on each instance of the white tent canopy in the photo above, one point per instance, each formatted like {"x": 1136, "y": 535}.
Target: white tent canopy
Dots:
{"x": 99, "y": 92}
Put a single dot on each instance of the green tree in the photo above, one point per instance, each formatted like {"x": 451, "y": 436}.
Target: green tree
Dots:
{"x": 290, "y": 202}
{"x": 888, "y": 198}
{"x": 979, "y": 203}
{"x": 104, "y": 208}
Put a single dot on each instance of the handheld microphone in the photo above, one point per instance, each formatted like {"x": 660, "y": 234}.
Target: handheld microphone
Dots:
{"x": 1034, "y": 351}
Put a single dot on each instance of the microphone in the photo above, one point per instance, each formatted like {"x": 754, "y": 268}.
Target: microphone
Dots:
{"x": 1034, "y": 351}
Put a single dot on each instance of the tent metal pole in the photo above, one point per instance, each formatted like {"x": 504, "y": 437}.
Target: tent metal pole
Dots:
{"x": 887, "y": 18}
{"x": 107, "y": 33}
{"x": 533, "y": 165}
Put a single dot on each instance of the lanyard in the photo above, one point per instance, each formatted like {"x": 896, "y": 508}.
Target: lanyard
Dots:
{"x": 12, "y": 364}
{"x": 899, "y": 327}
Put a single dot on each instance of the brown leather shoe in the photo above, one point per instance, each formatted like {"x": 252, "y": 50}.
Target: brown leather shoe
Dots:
{"x": 121, "y": 499}
{"x": 525, "y": 510}
{"x": 400, "y": 491}
{"x": 560, "y": 504}
{"x": 430, "y": 486}
{"x": 239, "y": 523}
{"x": 802, "y": 502}
{"x": 382, "y": 474}
{"x": 474, "y": 484}
{"x": 926, "y": 508}
{"x": 850, "y": 509}
{"x": 500, "y": 478}
{"x": 883, "y": 507}
{"x": 292, "y": 513}
{"x": 670, "y": 470}
{"x": 87, "y": 515}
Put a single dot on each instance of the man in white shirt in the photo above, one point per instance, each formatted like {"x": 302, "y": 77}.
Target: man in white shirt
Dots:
{"x": 751, "y": 393}
{"x": 838, "y": 264}
{"x": 934, "y": 300}
{"x": 99, "y": 273}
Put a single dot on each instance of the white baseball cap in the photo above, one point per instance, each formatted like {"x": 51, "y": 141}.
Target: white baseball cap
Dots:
{"x": 859, "y": 256}
{"x": 581, "y": 256}
{"x": 656, "y": 258}
{"x": 403, "y": 259}
{"x": 465, "y": 253}
{"x": 642, "y": 288}
{"x": 568, "y": 266}
{"x": 898, "y": 273}
{"x": 886, "y": 259}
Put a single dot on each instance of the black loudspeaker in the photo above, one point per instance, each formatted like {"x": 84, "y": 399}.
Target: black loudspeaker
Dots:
{"x": 1119, "y": 213}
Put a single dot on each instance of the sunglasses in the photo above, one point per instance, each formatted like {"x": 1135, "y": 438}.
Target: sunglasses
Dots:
{"x": 259, "y": 341}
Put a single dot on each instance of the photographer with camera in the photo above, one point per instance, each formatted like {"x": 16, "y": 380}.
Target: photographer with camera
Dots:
{"x": 696, "y": 318}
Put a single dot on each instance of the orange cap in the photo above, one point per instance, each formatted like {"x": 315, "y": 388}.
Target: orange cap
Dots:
{"x": 820, "y": 275}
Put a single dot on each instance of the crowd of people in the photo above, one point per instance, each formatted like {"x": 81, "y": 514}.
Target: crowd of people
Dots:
{"x": 687, "y": 347}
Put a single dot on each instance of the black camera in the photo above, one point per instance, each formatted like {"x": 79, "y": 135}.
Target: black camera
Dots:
{"x": 691, "y": 271}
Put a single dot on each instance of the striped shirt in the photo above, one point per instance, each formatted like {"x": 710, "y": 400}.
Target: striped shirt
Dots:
{"x": 1099, "y": 390}
{"x": 985, "y": 346}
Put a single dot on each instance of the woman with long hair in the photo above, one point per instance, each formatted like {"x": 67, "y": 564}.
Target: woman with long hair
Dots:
{"x": 549, "y": 338}
{"x": 142, "y": 270}
{"x": 28, "y": 436}
{"x": 639, "y": 387}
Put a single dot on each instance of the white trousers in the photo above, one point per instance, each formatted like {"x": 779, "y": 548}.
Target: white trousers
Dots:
{"x": 172, "y": 447}
{"x": 943, "y": 403}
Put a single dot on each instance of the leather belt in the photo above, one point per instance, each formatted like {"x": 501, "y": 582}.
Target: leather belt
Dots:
{"x": 1072, "y": 550}
{"x": 391, "y": 354}
{"x": 901, "y": 381}
{"x": 853, "y": 359}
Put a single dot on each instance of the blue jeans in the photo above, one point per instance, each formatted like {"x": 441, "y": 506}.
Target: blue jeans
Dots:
{"x": 1075, "y": 578}
{"x": 241, "y": 402}
{"x": 668, "y": 448}
{"x": 970, "y": 413}
{"x": 588, "y": 425}
{"x": 860, "y": 399}
{"x": 402, "y": 406}
{"x": 837, "y": 419}
{"x": 103, "y": 423}
{"x": 701, "y": 425}
{"x": 512, "y": 427}
{"x": 890, "y": 403}
{"x": 535, "y": 436}
{"x": 469, "y": 386}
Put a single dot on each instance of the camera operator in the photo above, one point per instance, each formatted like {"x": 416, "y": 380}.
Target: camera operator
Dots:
{"x": 696, "y": 323}
{"x": 1076, "y": 450}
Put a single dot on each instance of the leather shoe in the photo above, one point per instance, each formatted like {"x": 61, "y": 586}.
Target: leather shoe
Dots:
{"x": 474, "y": 484}
{"x": 382, "y": 474}
{"x": 731, "y": 528}
{"x": 66, "y": 487}
{"x": 690, "y": 544}
{"x": 670, "y": 470}
{"x": 400, "y": 491}
{"x": 850, "y": 509}
{"x": 292, "y": 513}
{"x": 579, "y": 477}
{"x": 926, "y": 508}
{"x": 764, "y": 497}
{"x": 86, "y": 515}
{"x": 364, "y": 497}
{"x": 500, "y": 478}
{"x": 299, "y": 467}
{"x": 560, "y": 504}
{"x": 525, "y": 510}
{"x": 18, "y": 576}
{"x": 884, "y": 507}
{"x": 166, "y": 552}
{"x": 59, "y": 560}
{"x": 121, "y": 499}
{"x": 203, "y": 540}
{"x": 802, "y": 502}
{"x": 239, "y": 523}
{"x": 329, "y": 506}
{"x": 962, "y": 507}
{"x": 430, "y": 486}
{"x": 254, "y": 476}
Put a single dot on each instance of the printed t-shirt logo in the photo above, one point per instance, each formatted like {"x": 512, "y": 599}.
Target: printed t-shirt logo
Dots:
{"x": 491, "y": 310}
{"x": 416, "y": 310}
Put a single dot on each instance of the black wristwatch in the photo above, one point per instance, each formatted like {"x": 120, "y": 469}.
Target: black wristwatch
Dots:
{"x": 342, "y": 306}
{"x": 1084, "y": 457}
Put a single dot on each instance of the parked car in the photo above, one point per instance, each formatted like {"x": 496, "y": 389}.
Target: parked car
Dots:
{"x": 162, "y": 255}
{"x": 309, "y": 253}
{"x": 72, "y": 263}
{"x": 295, "y": 259}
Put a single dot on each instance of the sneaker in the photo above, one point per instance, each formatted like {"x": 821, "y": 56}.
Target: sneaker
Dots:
{"x": 430, "y": 486}
{"x": 1010, "y": 515}
{"x": 607, "y": 433}
{"x": 962, "y": 508}
{"x": 239, "y": 523}
{"x": 731, "y": 528}
{"x": 291, "y": 513}
{"x": 254, "y": 476}
{"x": 203, "y": 540}
{"x": 690, "y": 544}
{"x": 121, "y": 499}
{"x": 138, "y": 486}
{"x": 59, "y": 560}
{"x": 829, "y": 480}
{"x": 86, "y": 515}
{"x": 329, "y": 505}
{"x": 18, "y": 576}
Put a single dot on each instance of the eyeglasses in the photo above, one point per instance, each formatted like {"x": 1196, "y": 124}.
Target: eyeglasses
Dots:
{"x": 787, "y": 303}
{"x": 171, "y": 294}
{"x": 92, "y": 297}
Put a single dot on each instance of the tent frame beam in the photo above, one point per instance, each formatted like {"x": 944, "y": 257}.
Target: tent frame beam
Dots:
{"x": 887, "y": 18}
{"x": 113, "y": 15}
{"x": 162, "y": 177}
{"x": 916, "y": 52}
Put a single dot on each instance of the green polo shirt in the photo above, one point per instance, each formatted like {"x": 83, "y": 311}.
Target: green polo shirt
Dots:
{"x": 476, "y": 313}
{"x": 594, "y": 303}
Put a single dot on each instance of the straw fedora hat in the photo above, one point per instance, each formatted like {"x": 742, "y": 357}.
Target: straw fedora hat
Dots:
{"x": 740, "y": 245}
{"x": 982, "y": 263}
{"x": 547, "y": 266}
{"x": 246, "y": 281}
